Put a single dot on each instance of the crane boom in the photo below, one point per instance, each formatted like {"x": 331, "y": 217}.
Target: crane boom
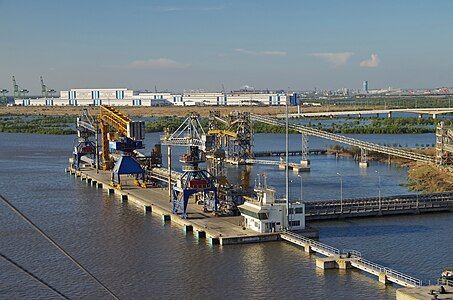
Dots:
{"x": 43, "y": 88}
{"x": 109, "y": 116}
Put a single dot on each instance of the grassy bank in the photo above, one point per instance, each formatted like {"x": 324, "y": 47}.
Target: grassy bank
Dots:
{"x": 428, "y": 178}
{"x": 61, "y": 125}
{"x": 65, "y": 125}
{"x": 385, "y": 126}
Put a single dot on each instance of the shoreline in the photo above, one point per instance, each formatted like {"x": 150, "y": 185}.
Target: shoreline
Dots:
{"x": 421, "y": 177}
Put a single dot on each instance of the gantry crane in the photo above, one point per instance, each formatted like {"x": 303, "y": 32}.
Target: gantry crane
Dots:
{"x": 15, "y": 89}
{"x": 44, "y": 91}
{"x": 194, "y": 180}
{"x": 84, "y": 147}
{"x": 234, "y": 134}
{"x": 127, "y": 138}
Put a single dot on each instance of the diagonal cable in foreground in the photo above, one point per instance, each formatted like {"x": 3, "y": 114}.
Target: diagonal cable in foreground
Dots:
{"x": 33, "y": 276}
{"x": 48, "y": 238}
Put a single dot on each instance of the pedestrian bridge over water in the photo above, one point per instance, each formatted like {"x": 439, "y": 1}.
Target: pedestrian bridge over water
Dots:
{"x": 368, "y": 146}
{"x": 434, "y": 112}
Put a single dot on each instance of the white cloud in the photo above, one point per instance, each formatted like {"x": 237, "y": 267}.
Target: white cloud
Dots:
{"x": 158, "y": 63}
{"x": 267, "y": 53}
{"x": 335, "y": 58}
{"x": 187, "y": 8}
{"x": 274, "y": 53}
{"x": 372, "y": 62}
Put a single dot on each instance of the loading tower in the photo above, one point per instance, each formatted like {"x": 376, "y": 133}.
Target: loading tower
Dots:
{"x": 195, "y": 182}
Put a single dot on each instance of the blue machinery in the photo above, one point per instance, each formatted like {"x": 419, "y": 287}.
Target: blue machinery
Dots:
{"x": 128, "y": 137}
{"x": 126, "y": 164}
{"x": 120, "y": 137}
{"x": 194, "y": 182}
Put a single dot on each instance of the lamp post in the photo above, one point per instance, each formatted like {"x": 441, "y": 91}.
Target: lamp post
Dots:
{"x": 287, "y": 165}
{"x": 379, "y": 178}
{"x": 341, "y": 193}
{"x": 301, "y": 187}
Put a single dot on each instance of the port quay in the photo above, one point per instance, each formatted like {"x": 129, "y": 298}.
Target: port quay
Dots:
{"x": 203, "y": 208}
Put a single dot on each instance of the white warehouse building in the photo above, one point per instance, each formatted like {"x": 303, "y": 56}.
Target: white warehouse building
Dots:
{"x": 127, "y": 97}
{"x": 82, "y": 97}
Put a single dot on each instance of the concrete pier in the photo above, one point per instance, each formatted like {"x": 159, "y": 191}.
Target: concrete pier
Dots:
{"x": 219, "y": 230}
{"x": 188, "y": 228}
{"x": 383, "y": 278}
{"x": 363, "y": 164}
{"x": 428, "y": 292}
{"x": 200, "y": 234}
{"x": 333, "y": 262}
{"x": 124, "y": 198}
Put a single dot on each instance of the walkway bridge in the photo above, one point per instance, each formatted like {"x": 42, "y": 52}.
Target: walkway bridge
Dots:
{"x": 345, "y": 259}
{"x": 367, "y": 207}
{"x": 346, "y": 140}
{"x": 434, "y": 112}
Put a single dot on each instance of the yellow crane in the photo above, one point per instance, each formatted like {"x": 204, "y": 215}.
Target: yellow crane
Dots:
{"x": 124, "y": 126}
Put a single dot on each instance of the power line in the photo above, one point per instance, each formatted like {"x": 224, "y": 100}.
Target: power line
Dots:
{"x": 33, "y": 276}
{"x": 48, "y": 238}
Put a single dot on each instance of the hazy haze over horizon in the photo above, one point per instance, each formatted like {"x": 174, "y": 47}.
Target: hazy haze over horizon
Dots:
{"x": 179, "y": 45}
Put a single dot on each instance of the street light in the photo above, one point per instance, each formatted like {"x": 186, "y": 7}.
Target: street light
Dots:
{"x": 287, "y": 164}
{"x": 379, "y": 176}
{"x": 301, "y": 187}
{"x": 341, "y": 193}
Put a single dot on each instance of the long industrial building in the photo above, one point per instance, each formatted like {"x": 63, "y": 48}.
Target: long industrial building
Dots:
{"x": 127, "y": 97}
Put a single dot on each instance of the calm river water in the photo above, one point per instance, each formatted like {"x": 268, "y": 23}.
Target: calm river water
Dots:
{"x": 139, "y": 257}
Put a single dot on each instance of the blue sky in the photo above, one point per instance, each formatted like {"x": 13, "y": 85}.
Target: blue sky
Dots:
{"x": 196, "y": 44}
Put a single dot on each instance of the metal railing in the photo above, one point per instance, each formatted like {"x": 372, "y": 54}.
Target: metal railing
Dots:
{"x": 403, "y": 277}
{"x": 351, "y": 253}
{"x": 445, "y": 281}
{"x": 434, "y": 201}
{"x": 329, "y": 249}
{"x": 358, "y": 260}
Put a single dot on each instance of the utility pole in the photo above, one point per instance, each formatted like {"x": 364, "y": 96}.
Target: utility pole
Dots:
{"x": 287, "y": 164}
{"x": 379, "y": 179}
{"x": 341, "y": 193}
{"x": 169, "y": 172}
{"x": 97, "y": 146}
{"x": 301, "y": 188}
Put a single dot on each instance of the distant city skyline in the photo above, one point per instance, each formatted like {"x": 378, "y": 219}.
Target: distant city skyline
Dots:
{"x": 177, "y": 45}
